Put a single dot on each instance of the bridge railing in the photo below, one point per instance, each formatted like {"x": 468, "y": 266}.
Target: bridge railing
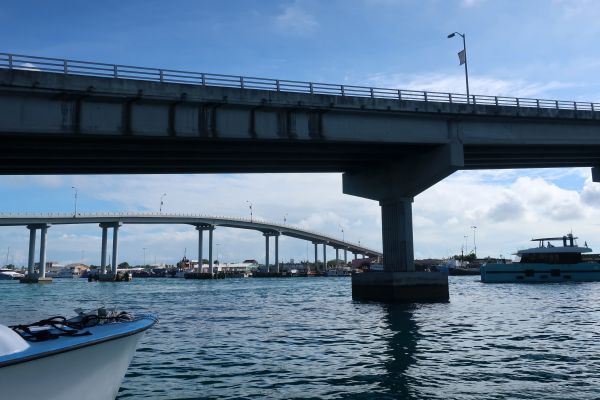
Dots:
{"x": 87, "y": 68}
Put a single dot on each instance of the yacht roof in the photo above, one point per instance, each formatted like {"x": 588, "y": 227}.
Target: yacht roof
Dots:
{"x": 555, "y": 250}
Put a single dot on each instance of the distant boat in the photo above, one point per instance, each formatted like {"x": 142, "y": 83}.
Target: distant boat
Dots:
{"x": 339, "y": 271}
{"x": 9, "y": 274}
{"x": 545, "y": 263}
{"x": 455, "y": 267}
{"x": 92, "y": 350}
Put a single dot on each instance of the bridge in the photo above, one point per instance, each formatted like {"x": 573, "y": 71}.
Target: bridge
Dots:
{"x": 200, "y": 222}
{"x": 65, "y": 116}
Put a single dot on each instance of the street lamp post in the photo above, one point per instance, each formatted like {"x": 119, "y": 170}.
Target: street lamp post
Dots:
{"x": 250, "y": 205}
{"x": 463, "y": 60}
{"x": 285, "y": 218}
{"x": 474, "y": 242}
{"x": 161, "y": 202}
{"x": 218, "y": 258}
{"x": 75, "y": 212}
{"x": 144, "y": 256}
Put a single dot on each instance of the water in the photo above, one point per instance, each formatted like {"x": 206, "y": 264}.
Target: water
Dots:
{"x": 306, "y": 338}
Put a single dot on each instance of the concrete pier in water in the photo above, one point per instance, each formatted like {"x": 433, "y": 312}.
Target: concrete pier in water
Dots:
{"x": 40, "y": 276}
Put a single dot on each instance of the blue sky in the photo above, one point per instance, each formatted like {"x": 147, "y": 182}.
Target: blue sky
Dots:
{"x": 545, "y": 49}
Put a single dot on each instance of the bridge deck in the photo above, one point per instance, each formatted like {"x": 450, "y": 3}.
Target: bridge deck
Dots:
{"x": 188, "y": 219}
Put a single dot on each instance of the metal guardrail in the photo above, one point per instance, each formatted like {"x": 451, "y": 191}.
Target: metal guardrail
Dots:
{"x": 180, "y": 215}
{"x": 74, "y": 67}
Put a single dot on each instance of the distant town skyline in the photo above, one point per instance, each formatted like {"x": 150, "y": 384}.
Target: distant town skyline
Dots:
{"x": 541, "y": 49}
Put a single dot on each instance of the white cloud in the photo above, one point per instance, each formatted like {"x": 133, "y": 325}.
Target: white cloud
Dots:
{"x": 294, "y": 20}
{"x": 27, "y": 66}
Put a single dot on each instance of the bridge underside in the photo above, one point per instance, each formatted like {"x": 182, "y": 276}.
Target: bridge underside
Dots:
{"x": 22, "y": 153}
{"x": 68, "y": 154}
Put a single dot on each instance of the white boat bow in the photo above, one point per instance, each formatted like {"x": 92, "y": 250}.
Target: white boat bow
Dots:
{"x": 94, "y": 352}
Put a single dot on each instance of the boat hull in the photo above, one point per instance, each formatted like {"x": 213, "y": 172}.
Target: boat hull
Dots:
{"x": 87, "y": 373}
{"x": 539, "y": 273}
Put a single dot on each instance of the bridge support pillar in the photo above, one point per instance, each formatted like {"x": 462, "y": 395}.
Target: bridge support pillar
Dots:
{"x": 115, "y": 248}
{"x": 200, "y": 245}
{"x": 345, "y": 256}
{"x": 277, "y": 252}
{"x": 399, "y": 282}
{"x": 267, "y": 252}
{"x": 103, "y": 249}
{"x": 210, "y": 250}
{"x": 109, "y": 274}
{"x": 324, "y": 257}
{"x": 43, "y": 241}
{"x": 337, "y": 256}
{"x": 395, "y": 185}
{"x": 201, "y": 228}
{"x": 596, "y": 173}
{"x": 32, "y": 276}
{"x": 316, "y": 257}
{"x": 31, "y": 260}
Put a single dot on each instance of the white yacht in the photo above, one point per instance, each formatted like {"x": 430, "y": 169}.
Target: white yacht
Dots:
{"x": 10, "y": 274}
{"x": 545, "y": 263}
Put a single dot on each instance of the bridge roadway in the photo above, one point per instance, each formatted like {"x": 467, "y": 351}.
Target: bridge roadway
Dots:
{"x": 201, "y": 222}
{"x": 63, "y": 116}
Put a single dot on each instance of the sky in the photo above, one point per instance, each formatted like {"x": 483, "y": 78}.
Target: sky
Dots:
{"x": 543, "y": 49}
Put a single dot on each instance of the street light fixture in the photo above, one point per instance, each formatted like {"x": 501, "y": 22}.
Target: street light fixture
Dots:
{"x": 462, "y": 57}
{"x": 342, "y": 229}
{"x": 250, "y": 205}
{"x": 161, "y": 203}
{"x": 75, "y": 212}
{"x": 285, "y": 218}
{"x": 474, "y": 243}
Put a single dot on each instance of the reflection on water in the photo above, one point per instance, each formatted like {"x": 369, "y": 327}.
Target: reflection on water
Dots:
{"x": 402, "y": 346}
{"x": 306, "y": 338}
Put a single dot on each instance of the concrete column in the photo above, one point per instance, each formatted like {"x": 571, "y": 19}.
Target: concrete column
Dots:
{"x": 267, "y": 252}
{"x": 31, "y": 260}
{"x": 399, "y": 282}
{"x": 210, "y": 249}
{"x": 43, "y": 239}
{"x": 316, "y": 257}
{"x": 277, "y": 252}
{"x": 103, "y": 249}
{"x": 115, "y": 248}
{"x": 200, "y": 243}
{"x": 396, "y": 219}
{"x": 356, "y": 256}
{"x": 345, "y": 256}
{"x": 324, "y": 256}
{"x": 337, "y": 255}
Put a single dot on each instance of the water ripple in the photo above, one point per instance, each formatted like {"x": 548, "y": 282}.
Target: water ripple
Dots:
{"x": 306, "y": 339}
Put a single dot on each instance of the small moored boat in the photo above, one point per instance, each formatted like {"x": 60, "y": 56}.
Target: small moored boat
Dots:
{"x": 545, "y": 263}
{"x": 10, "y": 274}
{"x": 93, "y": 349}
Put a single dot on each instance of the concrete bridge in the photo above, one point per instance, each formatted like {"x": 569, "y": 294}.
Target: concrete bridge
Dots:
{"x": 64, "y": 116}
{"x": 201, "y": 222}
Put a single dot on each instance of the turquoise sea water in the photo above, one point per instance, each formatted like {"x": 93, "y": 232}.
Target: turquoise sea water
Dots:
{"x": 307, "y": 338}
